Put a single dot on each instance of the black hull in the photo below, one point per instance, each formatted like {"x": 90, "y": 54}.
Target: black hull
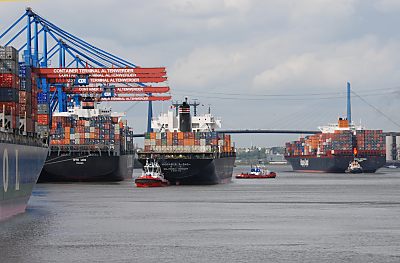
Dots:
{"x": 206, "y": 171}
{"x": 334, "y": 164}
{"x": 89, "y": 168}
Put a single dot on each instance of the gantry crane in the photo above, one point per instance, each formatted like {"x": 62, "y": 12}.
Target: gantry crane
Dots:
{"x": 84, "y": 70}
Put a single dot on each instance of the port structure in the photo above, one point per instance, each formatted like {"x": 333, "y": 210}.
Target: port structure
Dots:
{"x": 83, "y": 70}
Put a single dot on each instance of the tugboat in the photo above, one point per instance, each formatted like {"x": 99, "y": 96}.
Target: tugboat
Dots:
{"x": 257, "y": 172}
{"x": 354, "y": 168}
{"x": 152, "y": 176}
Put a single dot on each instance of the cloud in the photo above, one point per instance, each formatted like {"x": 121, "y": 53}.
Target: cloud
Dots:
{"x": 207, "y": 66}
{"x": 364, "y": 61}
{"x": 249, "y": 47}
{"x": 388, "y": 6}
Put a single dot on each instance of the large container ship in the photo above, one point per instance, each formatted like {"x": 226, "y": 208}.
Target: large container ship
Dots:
{"x": 89, "y": 144}
{"x": 188, "y": 149}
{"x": 22, "y": 150}
{"x": 336, "y": 147}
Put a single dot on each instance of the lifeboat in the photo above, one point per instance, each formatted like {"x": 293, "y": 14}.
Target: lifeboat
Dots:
{"x": 152, "y": 176}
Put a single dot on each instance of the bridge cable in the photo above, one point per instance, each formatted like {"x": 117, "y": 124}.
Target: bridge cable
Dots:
{"x": 376, "y": 109}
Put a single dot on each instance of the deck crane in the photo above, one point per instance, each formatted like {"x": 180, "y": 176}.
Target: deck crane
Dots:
{"x": 83, "y": 69}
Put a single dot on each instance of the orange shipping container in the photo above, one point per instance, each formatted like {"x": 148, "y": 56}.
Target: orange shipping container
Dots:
{"x": 43, "y": 119}
{"x": 169, "y": 136}
{"x": 188, "y": 142}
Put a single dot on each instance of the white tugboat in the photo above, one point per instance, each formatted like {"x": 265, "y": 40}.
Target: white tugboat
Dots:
{"x": 354, "y": 168}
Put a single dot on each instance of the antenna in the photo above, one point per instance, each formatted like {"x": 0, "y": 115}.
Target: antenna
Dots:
{"x": 194, "y": 104}
{"x": 176, "y": 105}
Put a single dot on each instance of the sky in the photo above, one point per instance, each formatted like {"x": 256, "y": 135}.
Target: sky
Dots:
{"x": 260, "y": 64}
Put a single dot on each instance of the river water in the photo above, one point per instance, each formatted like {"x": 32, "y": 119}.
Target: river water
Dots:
{"x": 293, "y": 218}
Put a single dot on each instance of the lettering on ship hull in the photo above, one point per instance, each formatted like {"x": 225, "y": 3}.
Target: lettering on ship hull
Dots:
{"x": 304, "y": 162}
{"x": 175, "y": 167}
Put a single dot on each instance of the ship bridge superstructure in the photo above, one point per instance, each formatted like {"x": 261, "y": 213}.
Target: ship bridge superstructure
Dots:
{"x": 342, "y": 125}
{"x": 169, "y": 121}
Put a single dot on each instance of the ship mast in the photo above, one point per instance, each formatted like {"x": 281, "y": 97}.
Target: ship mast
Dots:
{"x": 348, "y": 103}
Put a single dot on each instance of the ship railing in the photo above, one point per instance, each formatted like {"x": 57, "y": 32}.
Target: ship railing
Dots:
{"x": 176, "y": 155}
{"x": 213, "y": 154}
{"x": 89, "y": 149}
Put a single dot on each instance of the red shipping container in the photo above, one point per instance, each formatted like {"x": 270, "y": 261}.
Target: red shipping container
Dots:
{"x": 43, "y": 119}
{"x": 9, "y": 81}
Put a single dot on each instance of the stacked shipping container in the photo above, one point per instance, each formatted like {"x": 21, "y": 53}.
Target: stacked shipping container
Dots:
{"x": 97, "y": 131}
{"x": 27, "y": 98}
{"x": 18, "y": 91}
{"x": 187, "y": 142}
{"x": 370, "y": 141}
{"x": 341, "y": 142}
{"x": 9, "y": 86}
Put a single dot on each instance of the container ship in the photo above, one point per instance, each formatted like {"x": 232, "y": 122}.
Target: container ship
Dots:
{"x": 22, "y": 149}
{"x": 89, "y": 144}
{"x": 336, "y": 147}
{"x": 188, "y": 149}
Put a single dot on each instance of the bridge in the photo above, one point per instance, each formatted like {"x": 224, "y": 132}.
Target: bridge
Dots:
{"x": 267, "y": 131}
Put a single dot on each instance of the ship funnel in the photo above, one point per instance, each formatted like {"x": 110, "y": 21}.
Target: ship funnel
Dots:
{"x": 348, "y": 103}
{"x": 185, "y": 120}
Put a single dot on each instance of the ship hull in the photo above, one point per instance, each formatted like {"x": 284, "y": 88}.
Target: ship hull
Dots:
{"x": 206, "y": 171}
{"x": 334, "y": 164}
{"x": 90, "y": 168}
{"x": 20, "y": 168}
